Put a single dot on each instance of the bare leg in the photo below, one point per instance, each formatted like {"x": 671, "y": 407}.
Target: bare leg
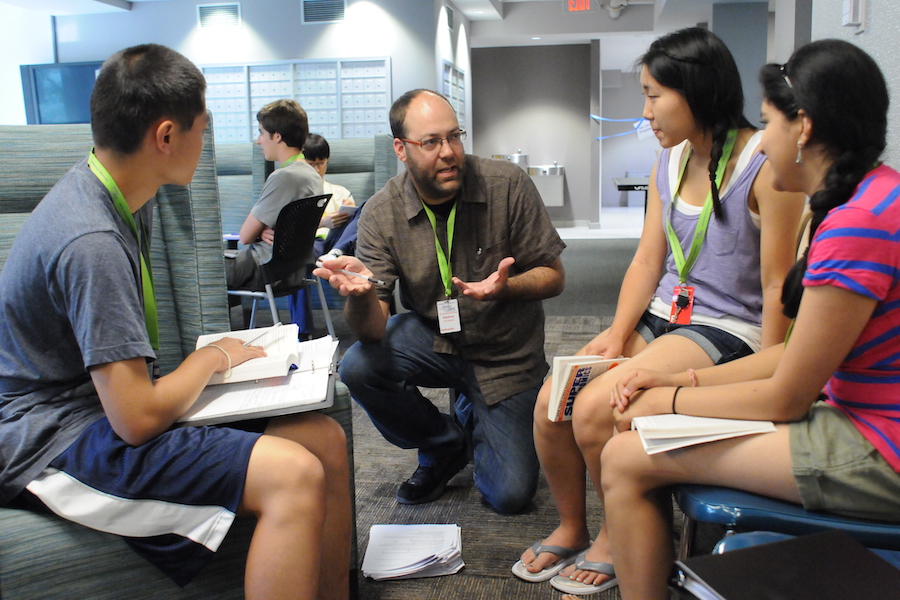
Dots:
{"x": 564, "y": 468}
{"x": 285, "y": 488}
{"x": 326, "y": 440}
{"x": 593, "y": 423}
{"x": 637, "y": 511}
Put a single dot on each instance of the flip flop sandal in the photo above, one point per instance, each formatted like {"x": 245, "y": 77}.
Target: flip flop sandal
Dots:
{"x": 566, "y": 557}
{"x": 577, "y": 588}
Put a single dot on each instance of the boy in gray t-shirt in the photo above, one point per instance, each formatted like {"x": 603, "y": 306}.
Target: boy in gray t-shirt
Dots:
{"x": 85, "y": 432}
{"x": 283, "y": 128}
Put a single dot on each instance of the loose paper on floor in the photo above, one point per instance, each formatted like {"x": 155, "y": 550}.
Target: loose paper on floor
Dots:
{"x": 409, "y": 551}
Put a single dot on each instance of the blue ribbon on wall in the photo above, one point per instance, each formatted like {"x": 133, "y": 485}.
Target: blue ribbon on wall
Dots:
{"x": 637, "y": 123}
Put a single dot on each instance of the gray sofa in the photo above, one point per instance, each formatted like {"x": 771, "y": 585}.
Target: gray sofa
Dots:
{"x": 43, "y": 556}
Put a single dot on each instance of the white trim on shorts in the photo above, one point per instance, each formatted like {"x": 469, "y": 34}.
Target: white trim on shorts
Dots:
{"x": 78, "y": 502}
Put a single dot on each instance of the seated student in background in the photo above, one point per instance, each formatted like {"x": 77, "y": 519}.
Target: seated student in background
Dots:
{"x": 85, "y": 431}
{"x": 283, "y": 128}
{"x": 826, "y": 114}
{"x": 717, "y": 233}
{"x": 333, "y": 222}
{"x": 337, "y": 231}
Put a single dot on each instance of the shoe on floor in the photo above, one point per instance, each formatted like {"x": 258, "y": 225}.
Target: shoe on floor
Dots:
{"x": 577, "y": 588}
{"x": 428, "y": 483}
{"x": 566, "y": 557}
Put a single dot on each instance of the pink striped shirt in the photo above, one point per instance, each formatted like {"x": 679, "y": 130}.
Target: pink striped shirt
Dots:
{"x": 856, "y": 248}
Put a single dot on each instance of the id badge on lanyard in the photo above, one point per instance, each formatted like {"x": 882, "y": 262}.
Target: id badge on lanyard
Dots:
{"x": 683, "y": 294}
{"x": 448, "y": 316}
{"x": 447, "y": 310}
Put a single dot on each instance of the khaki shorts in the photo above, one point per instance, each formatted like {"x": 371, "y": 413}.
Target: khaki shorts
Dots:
{"x": 839, "y": 471}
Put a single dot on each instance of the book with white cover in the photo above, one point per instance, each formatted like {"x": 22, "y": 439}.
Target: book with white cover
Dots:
{"x": 661, "y": 433}
{"x": 280, "y": 343}
{"x": 570, "y": 374}
{"x": 309, "y": 386}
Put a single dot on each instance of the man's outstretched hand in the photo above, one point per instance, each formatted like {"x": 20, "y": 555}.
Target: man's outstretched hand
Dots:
{"x": 490, "y": 288}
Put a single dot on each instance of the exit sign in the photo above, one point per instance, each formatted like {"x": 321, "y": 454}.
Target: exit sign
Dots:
{"x": 578, "y": 5}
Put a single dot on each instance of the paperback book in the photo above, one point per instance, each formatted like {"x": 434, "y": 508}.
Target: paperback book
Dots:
{"x": 570, "y": 374}
{"x": 661, "y": 433}
{"x": 280, "y": 342}
{"x": 308, "y": 386}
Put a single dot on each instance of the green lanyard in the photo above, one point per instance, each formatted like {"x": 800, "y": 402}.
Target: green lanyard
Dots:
{"x": 684, "y": 266}
{"x": 444, "y": 259}
{"x": 292, "y": 159}
{"x": 150, "y": 315}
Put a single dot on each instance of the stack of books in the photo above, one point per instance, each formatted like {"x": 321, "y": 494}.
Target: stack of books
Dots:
{"x": 410, "y": 551}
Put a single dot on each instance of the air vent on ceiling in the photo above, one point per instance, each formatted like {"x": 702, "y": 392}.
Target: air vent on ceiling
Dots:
{"x": 323, "y": 11}
{"x": 219, "y": 15}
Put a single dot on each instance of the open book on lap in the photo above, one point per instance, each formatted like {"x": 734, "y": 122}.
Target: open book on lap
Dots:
{"x": 280, "y": 342}
{"x": 661, "y": 433}
{"x": 570, "y": 374}
{"x": 309, "y": 386}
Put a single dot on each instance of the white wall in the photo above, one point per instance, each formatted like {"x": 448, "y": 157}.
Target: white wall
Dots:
{"x": 401, "y": 29}
{"x": 537, "y": 99}
{"x": 881, "y": 40}
{"x": 27, "y": 40}
{"x": 623, "y": 99}
{"x": 453, "y": 45}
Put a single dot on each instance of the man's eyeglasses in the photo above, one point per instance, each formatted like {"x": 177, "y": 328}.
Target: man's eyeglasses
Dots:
{"x": 432, "y": 144}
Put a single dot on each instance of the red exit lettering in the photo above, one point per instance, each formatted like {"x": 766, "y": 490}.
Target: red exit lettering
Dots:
{"x": 579, "y": 5}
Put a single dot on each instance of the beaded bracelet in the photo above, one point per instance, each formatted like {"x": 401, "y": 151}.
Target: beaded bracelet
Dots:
{"x": 674, "y": 398}
{"x": 227, "y": 356}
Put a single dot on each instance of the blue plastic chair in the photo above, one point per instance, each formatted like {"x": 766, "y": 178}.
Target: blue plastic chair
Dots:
{"x": 740, "y": 511}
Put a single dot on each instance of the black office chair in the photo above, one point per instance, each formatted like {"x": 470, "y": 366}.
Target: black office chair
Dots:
{"x": 292, "y": 256}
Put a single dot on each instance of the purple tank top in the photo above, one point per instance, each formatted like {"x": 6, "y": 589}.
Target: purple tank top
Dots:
{"x": 726, "y": 274}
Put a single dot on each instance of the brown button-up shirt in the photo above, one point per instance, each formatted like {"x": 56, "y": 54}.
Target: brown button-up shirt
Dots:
{"x": 499, "y": 213}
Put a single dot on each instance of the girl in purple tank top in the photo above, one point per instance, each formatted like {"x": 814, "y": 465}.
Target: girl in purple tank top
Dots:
{"x": 832, "y": 390}
{"x": 723, "y": 239}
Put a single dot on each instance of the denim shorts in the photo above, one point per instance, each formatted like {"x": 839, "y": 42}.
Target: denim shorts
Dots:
{"x": 838, "y": 470}
{"x": 721, "y": 346}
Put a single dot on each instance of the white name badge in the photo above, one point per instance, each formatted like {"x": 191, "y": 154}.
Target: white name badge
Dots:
{"x": 448, "y": 316}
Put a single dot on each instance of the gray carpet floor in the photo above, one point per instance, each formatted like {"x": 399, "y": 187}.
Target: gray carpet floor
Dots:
{"x": 491, "y": 543}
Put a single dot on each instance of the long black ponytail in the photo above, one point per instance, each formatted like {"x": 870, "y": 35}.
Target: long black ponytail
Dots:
{"x": 698, "y": 65}
{"x": 843, "y": 92}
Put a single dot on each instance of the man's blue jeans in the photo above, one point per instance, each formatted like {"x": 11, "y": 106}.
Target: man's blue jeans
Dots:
{"x": 383, "y": 377}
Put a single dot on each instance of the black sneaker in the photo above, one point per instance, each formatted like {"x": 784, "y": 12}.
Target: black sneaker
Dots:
{"x": 428, "y": 483}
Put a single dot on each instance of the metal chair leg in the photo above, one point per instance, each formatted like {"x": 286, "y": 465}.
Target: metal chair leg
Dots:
{"x": 327, "y": 314}
{"x": 252, "y": 323}
{"x": 688, "y": 526}
{"x": 270, "y": 294}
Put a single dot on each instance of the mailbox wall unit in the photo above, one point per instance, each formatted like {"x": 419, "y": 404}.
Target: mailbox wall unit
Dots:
{"x": 343, "y": 98}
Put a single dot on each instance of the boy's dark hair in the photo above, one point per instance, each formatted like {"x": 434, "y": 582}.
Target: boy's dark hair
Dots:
{"x": 697, "y": 64}
{"x": 842, "y": 90}
{"x": 139, "y": 86}
{"x": 287, "y": 118}
{"x": 316, "y": 148}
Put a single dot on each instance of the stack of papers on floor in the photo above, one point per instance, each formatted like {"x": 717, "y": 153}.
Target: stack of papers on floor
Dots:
{"x": 410, "y": 551}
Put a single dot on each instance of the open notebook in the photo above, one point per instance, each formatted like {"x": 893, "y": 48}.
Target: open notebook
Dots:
{"x": 308, "y": 386}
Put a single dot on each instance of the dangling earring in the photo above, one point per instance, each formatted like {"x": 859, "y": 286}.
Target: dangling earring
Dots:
{"x": 799, "y": 153}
